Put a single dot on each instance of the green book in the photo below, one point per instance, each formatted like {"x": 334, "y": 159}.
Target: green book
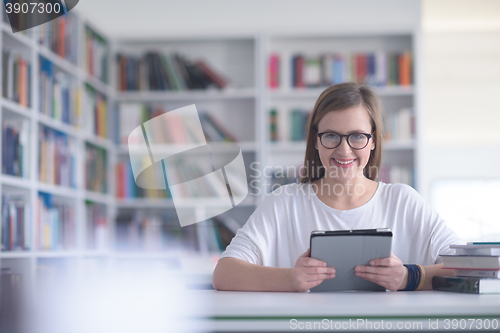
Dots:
{"x": 469, "y": 285}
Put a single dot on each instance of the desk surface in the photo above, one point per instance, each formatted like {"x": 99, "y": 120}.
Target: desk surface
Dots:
{"x": 259, "y": 311}
{"x": 348, "y": 304}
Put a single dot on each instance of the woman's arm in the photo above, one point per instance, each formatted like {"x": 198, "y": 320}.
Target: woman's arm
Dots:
{"x": 435, "y": 270}
{"x": 236, "y": 274}
{"x": 391, "y": 274}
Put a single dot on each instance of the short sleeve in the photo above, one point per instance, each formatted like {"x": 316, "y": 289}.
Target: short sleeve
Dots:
{"x": 255, "y": 239}
{"x": 430, "y": 230}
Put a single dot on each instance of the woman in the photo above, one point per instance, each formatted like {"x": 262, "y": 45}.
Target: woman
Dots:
{"x": 338, "y": 190}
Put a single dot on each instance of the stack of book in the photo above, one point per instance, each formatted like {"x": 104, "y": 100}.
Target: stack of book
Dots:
{"x": 476, "y": 266}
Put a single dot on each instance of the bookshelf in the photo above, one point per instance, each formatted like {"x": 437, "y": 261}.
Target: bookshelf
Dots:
{"x": 53, "y": 215}
{"x": 228, "y": 111}
{"x": 84, "y": 98}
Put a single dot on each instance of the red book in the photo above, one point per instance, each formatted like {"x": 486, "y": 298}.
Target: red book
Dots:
{"x": 404, "y": 62}
{"x": 120, "y": 191}
{"x": 274, "y": 63}
{"x": 299, "y": 72}
{"x": 23, "y": 83}
{"x": 62, "y": 33}
{"x": 90, "y": 60}
{"x": 361, "y": 68}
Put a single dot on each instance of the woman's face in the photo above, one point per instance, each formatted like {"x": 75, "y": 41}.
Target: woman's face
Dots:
{"x": 344, "y": 163}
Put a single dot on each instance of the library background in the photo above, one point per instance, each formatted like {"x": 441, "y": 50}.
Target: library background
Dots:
{"x": 71, "y": 95}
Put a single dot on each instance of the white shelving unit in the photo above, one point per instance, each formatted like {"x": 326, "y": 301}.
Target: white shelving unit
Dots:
{"x": 33, "y": 261}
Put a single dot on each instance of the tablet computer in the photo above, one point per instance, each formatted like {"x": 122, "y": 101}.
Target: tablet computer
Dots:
{"x": 346, "y": 249}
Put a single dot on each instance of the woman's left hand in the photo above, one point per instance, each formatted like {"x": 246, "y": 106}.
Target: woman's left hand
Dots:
{"x": 387, "y": 272}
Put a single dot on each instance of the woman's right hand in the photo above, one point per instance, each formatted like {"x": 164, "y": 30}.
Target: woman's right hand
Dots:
{"x": 309, "y": 272}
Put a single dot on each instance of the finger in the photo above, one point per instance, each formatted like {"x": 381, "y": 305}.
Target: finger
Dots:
{"x": 312, "y": 262}
{"x": 379, "y": 270}
{"x": 391, "y": 261}
{"x": 319, "y": 277}
{"x": 376, "y": 278}
{"x": 320, "y": 270}
{"x": 314, "y": 284}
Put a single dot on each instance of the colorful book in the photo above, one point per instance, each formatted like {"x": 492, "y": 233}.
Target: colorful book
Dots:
{"x": 466, "y": 285}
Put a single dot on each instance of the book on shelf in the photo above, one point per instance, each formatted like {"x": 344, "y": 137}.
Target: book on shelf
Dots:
{"x": 55, "y": 223}
{"x": 377, "y": 68}
{"x": 274, "y": 71}
{"x": 15, "y": 147}
{"x": 177, "y": 130}
{"x": 158, "y": 231}
{"x": 288, "y": 126}
{"x": 96, "y": 226}
{"x": 154, "y": 71}
{"x": 59, "y": 36}
{"x": 400, "y": 126}
{"x": 96, "y": 55}
{"x": 95, "y": 168}
{"x": 56, "y": 157}
{"x": 16, "y": 77}
{"x": 469, "y": 285}
{"x": 126, "y": 187}
{"x": 397, "y": 174}
{"x": 16, "y": 229}
{"x": 59, "y": 95}
{"x": 95, "y": 110}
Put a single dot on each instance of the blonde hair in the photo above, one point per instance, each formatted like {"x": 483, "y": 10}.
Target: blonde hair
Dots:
{"x": 336, "y": 98}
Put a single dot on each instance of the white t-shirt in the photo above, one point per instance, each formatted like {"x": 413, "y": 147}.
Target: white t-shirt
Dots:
{"x": 279, "y": 230}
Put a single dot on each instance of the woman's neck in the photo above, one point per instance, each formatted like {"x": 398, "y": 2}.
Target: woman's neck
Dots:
{"x": 345, "y": 195}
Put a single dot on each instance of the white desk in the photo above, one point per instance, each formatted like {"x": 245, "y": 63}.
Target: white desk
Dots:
{"x": 426, "y": 310}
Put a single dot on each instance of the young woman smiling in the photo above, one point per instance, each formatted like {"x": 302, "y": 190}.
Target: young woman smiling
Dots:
{"x": 338, "y": 190}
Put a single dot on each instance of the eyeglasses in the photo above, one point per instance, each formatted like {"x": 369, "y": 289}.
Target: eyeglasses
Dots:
{"x": 331, "y": 140}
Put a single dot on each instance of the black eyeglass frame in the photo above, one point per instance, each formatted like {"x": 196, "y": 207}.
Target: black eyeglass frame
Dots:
{"x": 346, "y": 136}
